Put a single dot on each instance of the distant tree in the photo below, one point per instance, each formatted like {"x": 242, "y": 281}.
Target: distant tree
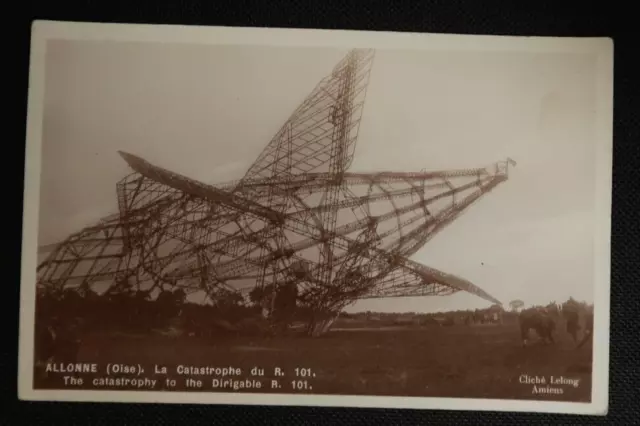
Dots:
{"x": 516, "y": 305}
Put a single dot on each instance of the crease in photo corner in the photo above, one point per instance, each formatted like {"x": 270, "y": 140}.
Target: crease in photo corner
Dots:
{"x": 51, "y": 30}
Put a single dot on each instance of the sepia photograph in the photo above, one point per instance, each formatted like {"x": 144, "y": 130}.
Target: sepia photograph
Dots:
{"x": 313, "y": 217}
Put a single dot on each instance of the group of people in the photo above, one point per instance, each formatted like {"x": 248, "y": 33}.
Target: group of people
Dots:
{"x": 543, "y": 320}
{"x": 572, "y": 318}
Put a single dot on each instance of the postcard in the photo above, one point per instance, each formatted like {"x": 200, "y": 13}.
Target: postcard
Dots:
{"x": 276, "y": 216}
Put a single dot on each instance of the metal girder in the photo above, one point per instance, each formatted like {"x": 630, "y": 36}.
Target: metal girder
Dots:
{"x": 297, "y": 205}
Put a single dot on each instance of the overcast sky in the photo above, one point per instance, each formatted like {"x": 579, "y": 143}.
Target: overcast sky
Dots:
{"x": 208, "y": 111}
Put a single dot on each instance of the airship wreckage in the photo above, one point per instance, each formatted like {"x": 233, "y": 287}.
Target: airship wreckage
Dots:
{"x": 299, "y": 217}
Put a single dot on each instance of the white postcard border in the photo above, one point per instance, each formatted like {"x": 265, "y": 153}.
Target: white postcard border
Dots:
{"x": 42, "y": 31}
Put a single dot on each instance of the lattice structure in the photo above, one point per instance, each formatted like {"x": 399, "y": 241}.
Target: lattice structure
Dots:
{"x": 298, "y": 216}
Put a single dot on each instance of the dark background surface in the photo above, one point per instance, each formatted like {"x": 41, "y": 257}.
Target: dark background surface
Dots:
{"x": 529, "y": 18}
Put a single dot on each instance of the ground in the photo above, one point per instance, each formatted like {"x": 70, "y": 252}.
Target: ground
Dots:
{"x": 478, "y": 361}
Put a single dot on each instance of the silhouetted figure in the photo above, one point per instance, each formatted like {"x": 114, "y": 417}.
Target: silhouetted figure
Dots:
{"x": 284, "y": 306}
{"x": 68, "y": 342}
{"x": 570, "y": 313}
{"x": 45, "y": 344}
{"x": 540, "y": 321}
{"x": 57, "y": 341}
{"x": 588, "y": 329}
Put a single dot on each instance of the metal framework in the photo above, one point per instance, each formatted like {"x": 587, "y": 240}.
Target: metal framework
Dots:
{"x": 298, "y": 216}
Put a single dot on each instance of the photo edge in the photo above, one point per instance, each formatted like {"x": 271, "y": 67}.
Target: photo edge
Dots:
{"x": 40, "y": 30}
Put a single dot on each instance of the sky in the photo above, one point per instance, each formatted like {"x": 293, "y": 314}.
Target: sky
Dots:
{"x": 208, "y": 111}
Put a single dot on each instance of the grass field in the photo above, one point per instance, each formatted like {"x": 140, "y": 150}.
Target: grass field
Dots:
{"x": 480, "y": 361}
